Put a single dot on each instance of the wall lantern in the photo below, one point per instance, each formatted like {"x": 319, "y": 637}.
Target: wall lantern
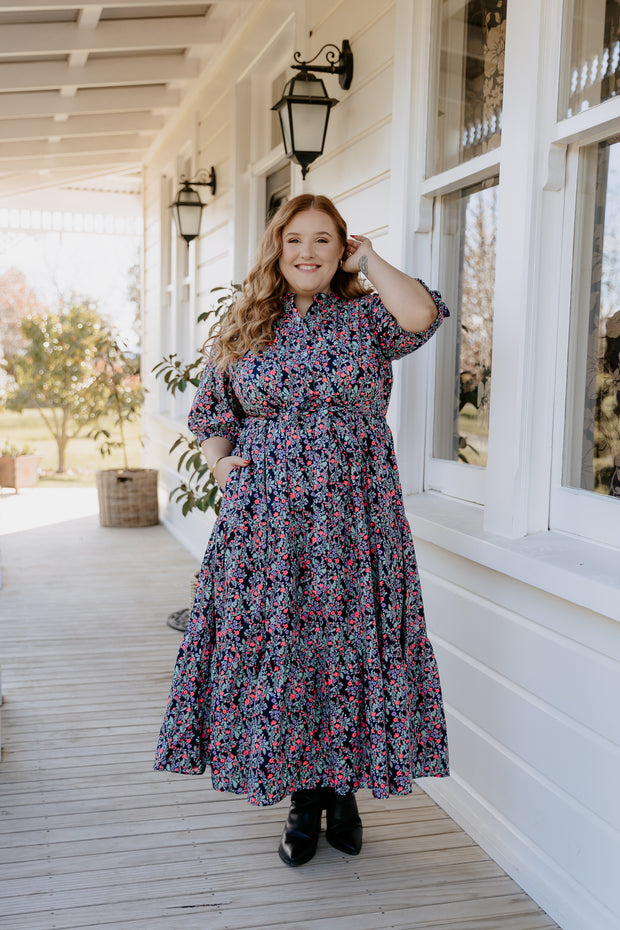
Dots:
{"x": 304, "y": 106}
{"x": 187, "y": 208}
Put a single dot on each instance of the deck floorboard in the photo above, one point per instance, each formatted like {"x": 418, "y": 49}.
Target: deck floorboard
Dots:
{"x": 93, "y": 838}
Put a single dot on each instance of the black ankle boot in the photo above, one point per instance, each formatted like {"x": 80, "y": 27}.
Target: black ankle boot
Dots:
{"x": 344, "y": 825}
{"x": 301, "y": 830}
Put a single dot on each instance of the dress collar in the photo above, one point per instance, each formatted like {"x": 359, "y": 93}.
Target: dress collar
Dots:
{"x": 319, "y": 300}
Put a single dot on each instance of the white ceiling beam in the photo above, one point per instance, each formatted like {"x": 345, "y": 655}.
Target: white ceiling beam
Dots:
{"x": 78, "y": 59}
{"x": 15, "y": 130}
{"x": 77, "y": 164}
{"x": 87, "y": 20}
{"x": 96, "y": 100}
{"x": 17, "y": 183}
{"x": 89, "y": 16}
{"x": 82, "y": 201}
{"x": 120, "y": 36}
{"x": 150, "y": 69}
{"x": 10, "y": 6}
{"x": 39, "y": 149}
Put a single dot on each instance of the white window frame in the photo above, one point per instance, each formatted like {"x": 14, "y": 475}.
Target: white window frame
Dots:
{"x": 510, "y": 533}
{"x": 167, "y": 317}
{"x": 574, "y": 510}
{"x": 512, "y": 492}
{"x": 178, "y": 282}
{"x": 420, "y": 471}
{"x": 454, "y": 478}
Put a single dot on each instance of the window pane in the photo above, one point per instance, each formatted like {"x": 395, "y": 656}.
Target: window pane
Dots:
{"x": 466, "y": 114}
{"x": 592, "y": 453}
{"x": 591, "y": 55}
{"x": 278, "y": 190}
{"x": 467, "y": 281}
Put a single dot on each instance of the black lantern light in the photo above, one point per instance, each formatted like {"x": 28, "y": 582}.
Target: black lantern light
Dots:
{"x": 187, "y": 208}
{"x": 304, "y": 106}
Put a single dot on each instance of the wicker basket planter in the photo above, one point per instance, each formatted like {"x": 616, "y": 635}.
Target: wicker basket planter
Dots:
{"x": 19, "y": 472}
{"x": 128, "y": 497}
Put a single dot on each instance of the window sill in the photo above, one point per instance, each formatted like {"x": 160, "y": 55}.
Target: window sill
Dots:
{"x": 566, "y": 566}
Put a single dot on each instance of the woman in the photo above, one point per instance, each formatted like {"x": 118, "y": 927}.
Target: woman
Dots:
{"x": 305, "y": 668}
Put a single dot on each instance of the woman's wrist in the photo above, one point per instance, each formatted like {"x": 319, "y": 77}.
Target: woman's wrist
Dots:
{"x": 216, "y": 463}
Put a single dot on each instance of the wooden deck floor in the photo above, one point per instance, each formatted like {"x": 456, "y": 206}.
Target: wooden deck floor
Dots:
{"x": 91, "y": 837}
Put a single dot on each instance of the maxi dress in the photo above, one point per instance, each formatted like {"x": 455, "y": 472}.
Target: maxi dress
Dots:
{"x": 306, "y": 661}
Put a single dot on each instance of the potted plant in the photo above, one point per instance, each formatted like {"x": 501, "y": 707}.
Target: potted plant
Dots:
{"x": 197, "y": 489}
{"x": 19, "y": 466}
{"x": 127, "y": 496}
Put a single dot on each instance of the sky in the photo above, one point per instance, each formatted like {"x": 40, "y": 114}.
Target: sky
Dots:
{"x": 92, "y": 264}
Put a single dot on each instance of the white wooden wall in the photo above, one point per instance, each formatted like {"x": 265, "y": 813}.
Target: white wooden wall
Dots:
{"x": 529, "y": 669}
{"x": 531, "y": 684}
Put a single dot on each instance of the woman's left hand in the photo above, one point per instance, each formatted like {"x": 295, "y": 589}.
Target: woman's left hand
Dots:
{"x": 356, "y": 254}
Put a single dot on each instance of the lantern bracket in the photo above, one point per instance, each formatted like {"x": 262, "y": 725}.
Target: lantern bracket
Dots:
{"x": 339, "y": 61}
{"x": 202, "y": 179}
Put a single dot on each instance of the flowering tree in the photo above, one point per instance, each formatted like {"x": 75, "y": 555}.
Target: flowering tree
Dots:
{"x": 17, "y": 301}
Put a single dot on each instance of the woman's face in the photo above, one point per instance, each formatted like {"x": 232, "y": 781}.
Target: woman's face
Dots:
{"x": 311, "y": 250}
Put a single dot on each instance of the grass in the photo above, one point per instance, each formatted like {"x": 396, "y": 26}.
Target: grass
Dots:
{"x": 82, "y": 456}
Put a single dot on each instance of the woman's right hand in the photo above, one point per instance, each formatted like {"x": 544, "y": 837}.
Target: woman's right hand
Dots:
{"x": 224, "y": 467}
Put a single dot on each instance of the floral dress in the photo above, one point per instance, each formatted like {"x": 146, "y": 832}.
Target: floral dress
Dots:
{"x": 306, "y": 660}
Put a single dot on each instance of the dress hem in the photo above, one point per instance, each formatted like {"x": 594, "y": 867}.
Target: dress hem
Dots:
{"x": 378, "y": 792}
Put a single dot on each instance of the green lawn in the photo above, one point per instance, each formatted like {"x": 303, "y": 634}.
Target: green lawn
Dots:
{"x": 82, "y": 457}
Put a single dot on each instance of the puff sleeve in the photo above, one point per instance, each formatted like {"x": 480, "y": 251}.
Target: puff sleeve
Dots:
{"x": 393, "y": 341}
{"x": 216, "y": 410}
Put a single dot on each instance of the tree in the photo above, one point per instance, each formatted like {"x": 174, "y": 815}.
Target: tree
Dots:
{"x": 118, "y": 378}
{"x": 61, "y": 371}
{"x": 17, "y": 301}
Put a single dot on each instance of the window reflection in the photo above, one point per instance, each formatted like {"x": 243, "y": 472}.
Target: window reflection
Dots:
{"x": 278, "y": 190}
{"x": 591, "y": 55}
{"x": 592, "y": 453}
{"x": 467, "y": 280}
{"x": 467, "y": 100}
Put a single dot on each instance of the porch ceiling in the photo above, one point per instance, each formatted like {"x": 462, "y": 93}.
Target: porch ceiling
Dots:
{"x": 86, "y": 86}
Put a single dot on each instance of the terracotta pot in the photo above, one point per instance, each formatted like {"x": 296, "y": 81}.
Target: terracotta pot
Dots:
{"x": 19, "y": 472}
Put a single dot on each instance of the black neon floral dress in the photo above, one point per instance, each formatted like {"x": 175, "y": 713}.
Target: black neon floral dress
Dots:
{"x": 306, "y": 660}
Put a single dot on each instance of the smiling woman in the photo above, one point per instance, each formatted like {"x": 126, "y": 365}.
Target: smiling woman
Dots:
{"x": 306, "y": 668}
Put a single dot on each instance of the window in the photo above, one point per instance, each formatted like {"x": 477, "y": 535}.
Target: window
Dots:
{"x": 177, "y": 287}
{"x": 464, "y": 349}
{"x": 467, "y": 87}
{"x": 591, "y": 59}
{"x": 463, "y": 156}
{"x": 278, "y": 187}
{"x": 168, "y": 271}
{"x": 592, "y": 438}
